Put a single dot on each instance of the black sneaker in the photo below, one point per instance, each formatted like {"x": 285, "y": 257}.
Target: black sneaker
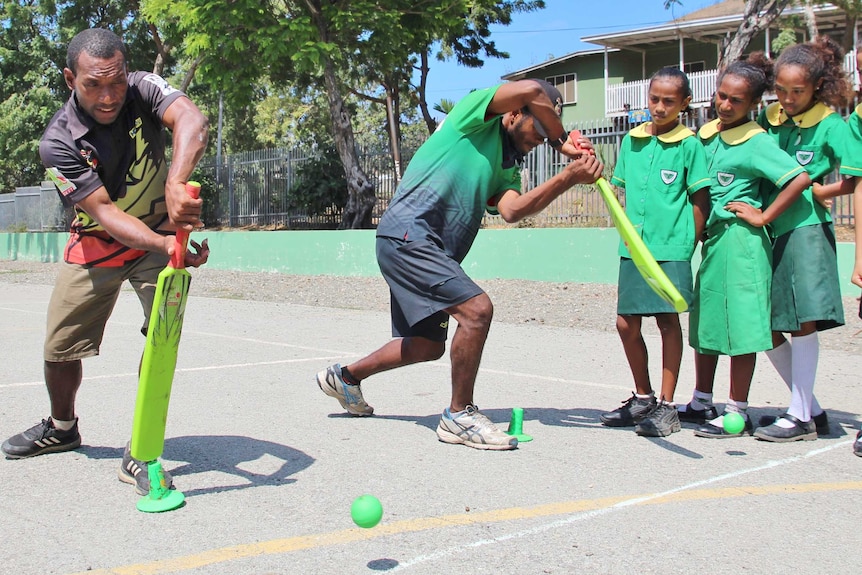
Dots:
{"x": 41, "y": 438}
{"x": 134, "y": 472}
{"x": 687, "y": 414}
{"x": 857, "y": 445}
{"x": 631, "y": 412}
{"x": 821, "y": 421}
{"x": 660, "y": 422}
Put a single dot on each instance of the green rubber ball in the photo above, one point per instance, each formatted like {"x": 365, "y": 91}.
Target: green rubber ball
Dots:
{"x": 366, "y": 511}
{"x": 733, "y": 422}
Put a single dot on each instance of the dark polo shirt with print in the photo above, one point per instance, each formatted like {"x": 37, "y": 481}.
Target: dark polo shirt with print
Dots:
{"x": 126, "y": 157}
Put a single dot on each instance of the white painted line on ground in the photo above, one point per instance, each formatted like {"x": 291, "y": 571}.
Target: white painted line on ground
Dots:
{"x": 599, "y": 512}
{"x": 183, "y": 370}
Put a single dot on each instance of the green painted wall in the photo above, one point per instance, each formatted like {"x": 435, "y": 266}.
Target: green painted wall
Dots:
{"x": 582, "y": 255}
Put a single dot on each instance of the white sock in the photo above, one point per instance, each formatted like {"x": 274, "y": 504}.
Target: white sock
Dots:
{"x": 64, "y": 425}
{"x": 806, "y": 352}
{"x": 701, "y": 400}
{"x": 647, "y": 396}
{"x": 782, "y": 359}
{"x": 740, "y": 407}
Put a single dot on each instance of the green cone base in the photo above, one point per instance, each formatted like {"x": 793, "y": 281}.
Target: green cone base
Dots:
{"x": 168, "y": 502}
{"x": 522, "y": 437}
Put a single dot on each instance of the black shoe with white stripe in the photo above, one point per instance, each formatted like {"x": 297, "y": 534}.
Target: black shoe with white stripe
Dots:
{"x": 135, "y": 472}
{"x": 41, "y": 438}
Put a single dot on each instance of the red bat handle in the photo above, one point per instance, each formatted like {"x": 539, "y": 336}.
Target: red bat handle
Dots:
{"x": 178, "y": 260}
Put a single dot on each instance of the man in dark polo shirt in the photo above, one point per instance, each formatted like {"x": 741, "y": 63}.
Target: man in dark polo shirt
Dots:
{"x": 105, "y": 152}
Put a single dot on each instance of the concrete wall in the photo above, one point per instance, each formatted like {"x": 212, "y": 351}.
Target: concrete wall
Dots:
{"x": 582, "y": 255}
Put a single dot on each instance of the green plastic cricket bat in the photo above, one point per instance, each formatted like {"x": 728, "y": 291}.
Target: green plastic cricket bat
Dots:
{"x": 641, "y": 256}
{"x": 160, "y": 353}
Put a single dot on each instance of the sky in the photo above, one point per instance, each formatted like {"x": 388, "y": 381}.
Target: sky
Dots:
{"x": 536, "y": 37}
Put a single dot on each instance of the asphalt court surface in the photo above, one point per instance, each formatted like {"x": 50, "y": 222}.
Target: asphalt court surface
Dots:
{"x": 270, "y": 466}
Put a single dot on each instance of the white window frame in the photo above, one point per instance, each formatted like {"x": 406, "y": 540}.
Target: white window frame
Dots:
{"x": 560, "y": 82}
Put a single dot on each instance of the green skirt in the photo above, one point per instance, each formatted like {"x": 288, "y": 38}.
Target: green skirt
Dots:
{"x": 805, "y": 285}
{"x": 731, "y": 312}
{"x": 635, "y": 297}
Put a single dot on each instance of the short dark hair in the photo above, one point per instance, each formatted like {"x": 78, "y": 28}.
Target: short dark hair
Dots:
{"x": 97, "y": 42}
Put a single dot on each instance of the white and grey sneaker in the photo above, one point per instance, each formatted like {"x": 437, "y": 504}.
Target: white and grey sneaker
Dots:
{"x": 135, "y": 472}
{"x": 349, "y": 396}
{"x": 471, "y": 428}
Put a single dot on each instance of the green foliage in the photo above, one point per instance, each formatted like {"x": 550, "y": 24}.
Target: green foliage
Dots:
{"x": 320, "y": 185}
{"x": 23, "y": 117}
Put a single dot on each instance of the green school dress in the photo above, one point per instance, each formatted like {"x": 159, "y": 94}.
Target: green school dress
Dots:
{"x": 659, "y": 175}
{"x": 805, "y": 284}
{"x": 731, "y": 312}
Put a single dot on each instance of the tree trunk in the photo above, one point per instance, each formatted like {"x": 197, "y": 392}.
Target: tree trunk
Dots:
{"x": 810, "y": 20}
{"x": 361, "y": 198}
{"x": 758, "y": 15}
{"x": 430, "y": 122}
{"x": 849, "y": 37}
{"x": 392, "y": 118}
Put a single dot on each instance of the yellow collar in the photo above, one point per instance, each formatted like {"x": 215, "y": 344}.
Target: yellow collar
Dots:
{"x": 859, "y": 110}
{"x": 776, "y": 116}
{"x": 678, "y": 134}
{"x": 733, "y": 136}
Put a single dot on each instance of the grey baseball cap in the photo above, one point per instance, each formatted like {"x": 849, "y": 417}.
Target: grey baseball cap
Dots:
{"x": 556, "y": 99}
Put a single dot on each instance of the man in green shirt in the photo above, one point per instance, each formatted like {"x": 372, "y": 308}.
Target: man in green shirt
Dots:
{"x": 470, "y": 164}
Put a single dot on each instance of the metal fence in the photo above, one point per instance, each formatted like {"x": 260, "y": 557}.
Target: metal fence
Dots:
{"x": 253, "y": 189}
{"x": 33, "y": 209}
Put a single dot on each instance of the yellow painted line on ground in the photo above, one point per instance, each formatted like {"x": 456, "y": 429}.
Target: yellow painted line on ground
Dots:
{"x": 293, "y": 544}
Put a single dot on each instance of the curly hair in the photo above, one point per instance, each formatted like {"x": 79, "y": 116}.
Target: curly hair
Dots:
{"x": 756, "y": 70}
{"x": 822, "y": 59}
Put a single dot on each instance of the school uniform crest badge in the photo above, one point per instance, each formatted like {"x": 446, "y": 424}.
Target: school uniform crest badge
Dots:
{"x": 668, "y": 176}
{"x": 804, "y": 157}
{"x": 724, "y": 178}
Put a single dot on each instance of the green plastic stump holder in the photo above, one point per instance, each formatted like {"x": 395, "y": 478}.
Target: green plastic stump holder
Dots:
{"x": 516, "y": 426}
{"x": 160, "y": 498}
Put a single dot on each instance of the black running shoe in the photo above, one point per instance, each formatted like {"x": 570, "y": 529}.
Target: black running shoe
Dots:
{"x": 135, "y": 472}
{"x": 41, "y": 438}
{"x": 857, "y": 445}
{"x": 660, "y": 422}
{"x": 630, "y": 413}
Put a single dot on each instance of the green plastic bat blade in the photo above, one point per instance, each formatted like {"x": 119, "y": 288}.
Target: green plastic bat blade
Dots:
{"x": 158, "y": 364}
{"x": 639, "y": 252}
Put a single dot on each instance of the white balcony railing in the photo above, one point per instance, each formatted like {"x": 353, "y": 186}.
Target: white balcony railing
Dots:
{"x": 627, "y": 96}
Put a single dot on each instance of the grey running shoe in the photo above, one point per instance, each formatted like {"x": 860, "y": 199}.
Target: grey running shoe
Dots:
{"x": 471, "y": 428}
{"x": 857, "y": 445}
{"x": 631, "y": 412}
{"x": 41, "y": 438}
{"x": 349, "y": 396}
{"x": 135, "y": 472}
{"x": 660, "y": 422}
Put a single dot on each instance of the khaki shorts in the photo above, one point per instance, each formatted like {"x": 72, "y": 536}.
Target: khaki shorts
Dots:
{"x": 83, "y": 299}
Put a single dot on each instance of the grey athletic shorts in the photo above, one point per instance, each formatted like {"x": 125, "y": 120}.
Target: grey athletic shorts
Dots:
{"x": 423, "y": 281}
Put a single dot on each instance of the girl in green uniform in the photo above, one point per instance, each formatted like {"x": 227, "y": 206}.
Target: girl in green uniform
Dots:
{"x": 806, "y": 294}
{"x": 662, "y": 167}
{"x": 731, "y": 310}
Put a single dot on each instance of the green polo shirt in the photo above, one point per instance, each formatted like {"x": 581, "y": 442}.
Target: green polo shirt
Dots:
{"x": 739, "y": 160}
{"x": 446, "y": 187}
{"x": 818, "y": 140}
{"x": 659, "y": 174}
{"x": 854, "y": 144}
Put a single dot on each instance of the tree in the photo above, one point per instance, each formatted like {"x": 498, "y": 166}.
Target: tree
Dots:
{"x": 756, "y": 17}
